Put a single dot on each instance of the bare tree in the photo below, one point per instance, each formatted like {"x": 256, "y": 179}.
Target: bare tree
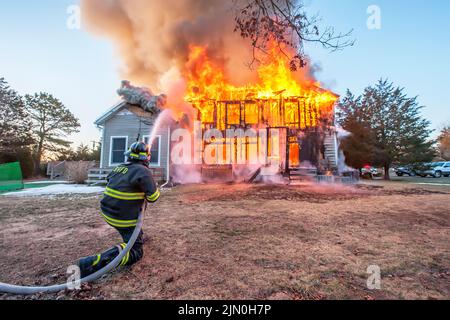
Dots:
{"x": 287, "y": 24}
{"x": 444, "y": 143}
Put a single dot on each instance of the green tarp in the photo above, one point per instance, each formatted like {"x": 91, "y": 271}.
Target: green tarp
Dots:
{"x": 11, "y": 177}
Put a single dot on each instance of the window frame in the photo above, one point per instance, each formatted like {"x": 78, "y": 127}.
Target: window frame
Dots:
{"x": 154, "y": 164}
{"x": 111, "y": 164}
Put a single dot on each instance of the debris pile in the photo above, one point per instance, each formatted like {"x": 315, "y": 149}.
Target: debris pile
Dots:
{"x": 142, "y": 97}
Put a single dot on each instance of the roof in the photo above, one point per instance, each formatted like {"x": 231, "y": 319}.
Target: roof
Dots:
{"x": 139, "y": 111}
{"x": 108, "y": 114}
{"x": 117, "y": 108}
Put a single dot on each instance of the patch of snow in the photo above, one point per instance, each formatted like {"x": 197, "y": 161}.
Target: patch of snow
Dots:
{"x": 59, "y": 189}
{"x": 434, "y": 184}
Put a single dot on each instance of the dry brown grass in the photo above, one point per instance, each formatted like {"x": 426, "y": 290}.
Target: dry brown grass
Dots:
{"x": 245, "y": 242}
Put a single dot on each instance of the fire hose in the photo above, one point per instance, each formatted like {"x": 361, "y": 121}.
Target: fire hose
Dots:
{"x": 24, "y": 290}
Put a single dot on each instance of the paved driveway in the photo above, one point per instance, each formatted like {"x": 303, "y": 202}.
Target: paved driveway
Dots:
{"x": 422, "y": 181}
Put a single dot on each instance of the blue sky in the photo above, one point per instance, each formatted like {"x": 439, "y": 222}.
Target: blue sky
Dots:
{"x": 412, "y": 48}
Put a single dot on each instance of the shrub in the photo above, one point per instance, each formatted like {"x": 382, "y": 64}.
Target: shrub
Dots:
{"x": 78, "y": 171}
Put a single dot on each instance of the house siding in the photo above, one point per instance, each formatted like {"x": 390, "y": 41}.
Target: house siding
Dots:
{"x": 131, "y": 126}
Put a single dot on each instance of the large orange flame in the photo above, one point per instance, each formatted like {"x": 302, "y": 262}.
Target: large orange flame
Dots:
{"x": 208, "y": 85}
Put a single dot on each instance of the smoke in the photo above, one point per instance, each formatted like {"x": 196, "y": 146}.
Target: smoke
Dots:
{"x": 186, "y": 174}
{"x": 153, "y": 37}
{"x": 342, "y": 134}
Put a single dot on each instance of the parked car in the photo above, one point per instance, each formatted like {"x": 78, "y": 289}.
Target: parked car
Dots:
{"x": 408, "y": 170}
{"x": 446, "y": 169}
{"x": 441, "y": 169}
{"x": 435, "y": 169}
{"x": 369, "y": 172}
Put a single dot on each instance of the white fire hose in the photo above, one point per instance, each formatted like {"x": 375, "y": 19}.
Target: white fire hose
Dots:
{"x": 23, "y": 290}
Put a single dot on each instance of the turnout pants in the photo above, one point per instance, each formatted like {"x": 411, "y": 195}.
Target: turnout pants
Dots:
{"x": 90, "y": 265}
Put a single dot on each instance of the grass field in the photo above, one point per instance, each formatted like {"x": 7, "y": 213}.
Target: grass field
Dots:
{"x": 244, "y": 242}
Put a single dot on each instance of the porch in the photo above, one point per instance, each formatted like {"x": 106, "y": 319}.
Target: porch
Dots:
{"x": 97, "y": 176}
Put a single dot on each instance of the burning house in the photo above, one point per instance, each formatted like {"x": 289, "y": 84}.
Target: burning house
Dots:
{"x": 294, "y": 118}
{"x": 298, "y": 124}
{"x": 280, "y": 120}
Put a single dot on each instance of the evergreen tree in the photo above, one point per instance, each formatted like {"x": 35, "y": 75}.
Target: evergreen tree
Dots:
{"x": 388, "y": 123}
{"x": 82, "y": 153}
{"x": 15, "y": 125}
{"x": 52, "y": 122}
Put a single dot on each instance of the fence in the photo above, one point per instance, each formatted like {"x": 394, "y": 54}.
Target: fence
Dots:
{"x": 11, "y": 177}
{"x": 336, "y": 179}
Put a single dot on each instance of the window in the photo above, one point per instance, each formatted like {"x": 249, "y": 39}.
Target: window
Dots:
{"x": 118, "y": 149}
{"x": 155, "y": 149}
{"x": 234, "y": 114}
{"x": 437, "y": 164}
{"x": 251, "y": 113}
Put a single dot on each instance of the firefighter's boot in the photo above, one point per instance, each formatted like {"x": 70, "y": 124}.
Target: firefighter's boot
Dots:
{"x": 91, "y": 265}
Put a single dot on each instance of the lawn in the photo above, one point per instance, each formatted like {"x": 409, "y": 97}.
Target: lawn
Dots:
{"x": 244, "y": 242}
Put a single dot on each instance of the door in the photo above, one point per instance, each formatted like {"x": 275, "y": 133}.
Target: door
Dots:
{"x": 446, "y": 168}
{"x": 294, "y": 152}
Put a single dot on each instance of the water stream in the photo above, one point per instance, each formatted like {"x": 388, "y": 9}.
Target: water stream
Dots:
{"x": 162, "y": 117}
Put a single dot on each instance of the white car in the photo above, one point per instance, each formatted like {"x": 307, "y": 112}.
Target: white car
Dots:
{"x": 446, "y": 169}
{"x": 438, "y": 169}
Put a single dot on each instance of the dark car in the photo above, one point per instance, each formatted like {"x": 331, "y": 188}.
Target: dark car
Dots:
{"x": 407, "y": 170}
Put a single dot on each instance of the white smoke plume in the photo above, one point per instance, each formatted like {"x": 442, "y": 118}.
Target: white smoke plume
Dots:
{"x": 341, "y": 135}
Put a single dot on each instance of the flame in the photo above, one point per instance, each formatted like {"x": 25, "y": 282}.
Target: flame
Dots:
{"x": 303, "y": 99}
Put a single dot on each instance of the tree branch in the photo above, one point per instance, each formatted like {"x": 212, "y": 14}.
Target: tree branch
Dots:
{"x": 286, "y": 23}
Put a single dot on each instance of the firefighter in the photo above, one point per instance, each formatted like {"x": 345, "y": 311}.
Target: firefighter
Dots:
{"x": 130, "y": 185}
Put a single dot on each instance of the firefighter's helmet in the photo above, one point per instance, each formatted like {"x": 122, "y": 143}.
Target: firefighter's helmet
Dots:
{"x": 139, "y": 151}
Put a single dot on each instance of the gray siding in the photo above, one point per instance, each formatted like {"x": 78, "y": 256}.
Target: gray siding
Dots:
{"x": 128, "y": 126}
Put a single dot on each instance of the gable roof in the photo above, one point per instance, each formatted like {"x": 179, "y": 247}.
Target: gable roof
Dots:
{"x": 117, "y": 108}
{"x": 108, "y": 114}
